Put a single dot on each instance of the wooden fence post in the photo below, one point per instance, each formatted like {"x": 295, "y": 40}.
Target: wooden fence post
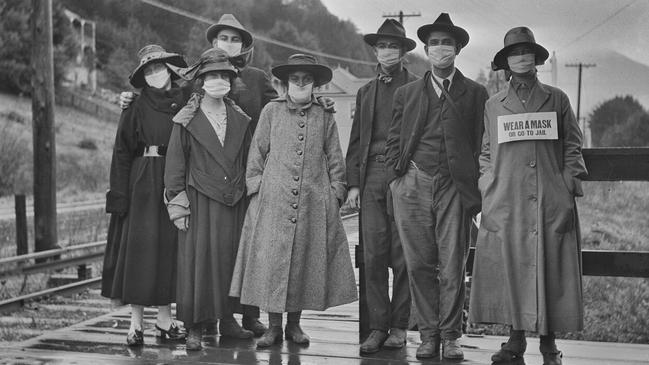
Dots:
{"x": 22, "y": 247}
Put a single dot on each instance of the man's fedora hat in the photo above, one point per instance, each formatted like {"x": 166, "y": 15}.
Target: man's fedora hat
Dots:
{"x": 514, "y": 37}
{"x": 443, "y": 23}
{"x": 307, "y": 63}
{"x": 154, "y": 53}
{"x": 391, "y": 29}
{"x": 228, "y": 21}
{"x": 213, "y": 59}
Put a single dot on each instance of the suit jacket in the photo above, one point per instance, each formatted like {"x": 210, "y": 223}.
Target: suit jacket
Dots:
{"x": 361, "y": 134}
{"x": 251, "y": 91}
{"x": 462, "y": 132}
{"x": 196, "y": 158}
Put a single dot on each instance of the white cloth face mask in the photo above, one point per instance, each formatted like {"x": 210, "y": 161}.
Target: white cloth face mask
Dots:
{"x": 216, "y": 88}
{"x": 388, "y": 57}
{"x": 300, "y": 94}
{"x": 521, "y": 64}
{"x": 441, "y": 56}
{"x": 233, "y": 49}
{"x": 158, "y": 80}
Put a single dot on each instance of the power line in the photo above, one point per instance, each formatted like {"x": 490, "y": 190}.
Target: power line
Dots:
{"x": 193, "y": 16}
{"x": 599, "y": 24}
{"x": 401, "y": 15}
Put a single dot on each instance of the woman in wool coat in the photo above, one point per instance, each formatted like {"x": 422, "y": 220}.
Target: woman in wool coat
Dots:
{"x": 140, "y": 262}
{"x": 293, "y": 253}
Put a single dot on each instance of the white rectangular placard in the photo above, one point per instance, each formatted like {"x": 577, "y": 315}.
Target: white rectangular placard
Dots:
{"x": 527, "y": 127}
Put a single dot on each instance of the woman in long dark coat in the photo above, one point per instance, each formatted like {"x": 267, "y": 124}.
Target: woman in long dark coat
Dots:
{"x": 205, "y": 182}
{"x": 140, "y": 262}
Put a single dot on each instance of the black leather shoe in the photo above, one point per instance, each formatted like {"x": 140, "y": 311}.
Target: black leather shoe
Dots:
{"x": 510, "y": 351}
{"x": 254, "y": 325}
{"x": 271, "y": 336}
{"x": 174, "y": 333}
{"x": 429, "y": 348}
{"x": 134, "y": 339}
{"x": 294, "y": 333}
{"x": 229, "y": 327}
{"x": 552, "y": 358}
{"x": 373, "y": 342}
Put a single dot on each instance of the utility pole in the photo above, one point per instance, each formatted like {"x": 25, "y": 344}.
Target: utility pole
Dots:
{"x": 580, "y": 67}
{"x": 401, "y": 15}
{"x": 43, "y": 126}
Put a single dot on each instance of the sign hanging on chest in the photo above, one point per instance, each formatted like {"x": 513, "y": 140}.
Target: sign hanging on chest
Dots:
{"x": 527, "y": 127}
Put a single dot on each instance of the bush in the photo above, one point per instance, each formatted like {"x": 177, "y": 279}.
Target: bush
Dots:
{"x": 14, "y": 159}
{"x": 86, "y": 171}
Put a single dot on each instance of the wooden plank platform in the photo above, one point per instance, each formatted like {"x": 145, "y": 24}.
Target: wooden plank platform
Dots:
{"x": 334, "y": 335}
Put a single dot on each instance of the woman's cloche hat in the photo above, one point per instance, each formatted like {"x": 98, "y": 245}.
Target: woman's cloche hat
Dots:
{"x": 154, "y": 53}
{"x": 514, "y": 37}
{"x": 392, "y": 29}
{"x": 213, "y": 59}
{"x": 228, "y": 21}
{"x": 307, "y": 63}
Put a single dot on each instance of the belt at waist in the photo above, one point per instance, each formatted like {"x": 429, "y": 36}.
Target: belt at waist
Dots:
{"x": 151, "y": 151}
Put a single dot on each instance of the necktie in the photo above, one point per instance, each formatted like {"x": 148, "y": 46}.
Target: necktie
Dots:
{"x": 446, "y": 84}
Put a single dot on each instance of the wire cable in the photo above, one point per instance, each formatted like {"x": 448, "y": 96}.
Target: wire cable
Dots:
{"x": 190, "y": 15}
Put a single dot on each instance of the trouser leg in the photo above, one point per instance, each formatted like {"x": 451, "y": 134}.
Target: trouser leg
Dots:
{"x": 412, "y": 200}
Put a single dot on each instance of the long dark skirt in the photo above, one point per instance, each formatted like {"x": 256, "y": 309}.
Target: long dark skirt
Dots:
{"x": 206, "y": 256}
{"x": 140, "y": 260}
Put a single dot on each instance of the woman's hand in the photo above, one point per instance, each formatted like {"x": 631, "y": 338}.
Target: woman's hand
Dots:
{"x": 182, "y": 223}
{"x": 353, "y": 197}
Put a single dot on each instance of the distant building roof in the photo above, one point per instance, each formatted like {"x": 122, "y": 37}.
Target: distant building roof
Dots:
{"x": 343, "y": 82}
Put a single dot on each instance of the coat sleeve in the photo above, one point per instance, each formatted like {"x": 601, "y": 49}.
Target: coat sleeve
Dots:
{"x": 335, "y": 160}
{"x": 486, "y": 168}
{"x": 574, "y": 168}
{"x": 394, "y": 136}
{"x": 117, "y": 197}
{"x": 259, "y": 148}
{"x": 354, "y": 149}
{"x": 175, "y": 174}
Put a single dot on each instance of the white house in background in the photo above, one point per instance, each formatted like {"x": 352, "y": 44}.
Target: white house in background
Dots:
{"x": 81, "y": 72}
{"x": 342, "y": 89}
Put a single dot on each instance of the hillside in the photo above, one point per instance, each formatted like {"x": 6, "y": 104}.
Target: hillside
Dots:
{"x": 82, "y": 170}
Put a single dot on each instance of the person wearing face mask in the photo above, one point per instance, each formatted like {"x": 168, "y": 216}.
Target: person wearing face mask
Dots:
{"x": 431, "y": 151}
{"x": 140, "y": 261}
{"x": 293, "y": 253}
{"x": 366, "y": 178}
{"x": 205, "y": 191}
{"x": 527, "y": 268}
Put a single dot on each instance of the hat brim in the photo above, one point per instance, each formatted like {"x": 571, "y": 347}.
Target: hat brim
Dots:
{"x": 321, "y": 73}
{"x": 217, "y": 67}
{"x": 137, "y": 76}
{"x": 408, "y": 43}
{"x": 213, "y": 32}
{"x": 461, "y": 36}
{"x": 500, "y": 59}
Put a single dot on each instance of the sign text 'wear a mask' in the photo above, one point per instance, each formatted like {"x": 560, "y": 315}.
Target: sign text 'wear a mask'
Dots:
{"x": 527, "y": 126}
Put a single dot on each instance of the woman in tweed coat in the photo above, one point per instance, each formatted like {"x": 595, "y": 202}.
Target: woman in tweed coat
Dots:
{"x": 293, "y": 253}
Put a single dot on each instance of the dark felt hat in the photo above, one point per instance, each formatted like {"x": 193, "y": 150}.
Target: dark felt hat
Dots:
{"x": 443, "y": 23}
{"x": 307, "y": 63}
{"x": 514, "y": 37}
{"x": 391, "y": 29}
{"x": 213, "y": 59}
{"x": 154, "y": 53}
{"x": 228, "y": 21}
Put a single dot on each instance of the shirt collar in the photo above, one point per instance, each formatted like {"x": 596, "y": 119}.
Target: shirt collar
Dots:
{"x": 523, "y": 81}
{"x": 441, "y": 81}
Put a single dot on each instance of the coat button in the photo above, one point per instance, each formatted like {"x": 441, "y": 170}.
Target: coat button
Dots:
{"x": 296, "y": 178}
{"x": 532, "y": 164}
{"x": 299, "y": 152}
{"x": 300, "y": 137}
{"x": 301, "y": 125}
{"x": 294, "y": 191}
{"x": 294, "y": 205}
{"x": 174, "y": 106}
{"x": 293, "y": 220}
{"x": 533, "y": 198}
{"x": 302, "y": 113}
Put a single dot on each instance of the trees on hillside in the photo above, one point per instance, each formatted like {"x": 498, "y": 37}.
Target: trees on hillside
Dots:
{"x": 619, "y": 122}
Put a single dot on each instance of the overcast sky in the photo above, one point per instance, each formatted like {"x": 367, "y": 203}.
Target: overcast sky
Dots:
{"x": 570, "y": 28}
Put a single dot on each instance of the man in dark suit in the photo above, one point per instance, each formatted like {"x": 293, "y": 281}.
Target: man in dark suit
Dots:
{"x": 367, "y": 182}
{"x": 432, "y": 154}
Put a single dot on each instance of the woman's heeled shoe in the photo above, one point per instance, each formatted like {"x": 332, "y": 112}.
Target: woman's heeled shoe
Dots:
{"x": 272, "y": 335}
{"x": 174, "y": 333}
{"x": 135, "y": 338}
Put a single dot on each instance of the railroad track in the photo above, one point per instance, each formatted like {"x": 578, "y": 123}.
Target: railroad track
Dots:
{"x": 9, "y": 213}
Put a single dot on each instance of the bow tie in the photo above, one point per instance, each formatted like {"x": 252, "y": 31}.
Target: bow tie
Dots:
{"x": 387, "y": 79}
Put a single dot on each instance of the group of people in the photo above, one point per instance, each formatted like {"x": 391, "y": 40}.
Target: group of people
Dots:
{"x": 224, "y": 194}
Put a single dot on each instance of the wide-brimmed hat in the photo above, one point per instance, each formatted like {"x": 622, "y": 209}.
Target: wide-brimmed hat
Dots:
{"x": 443, "y": 23}
{"x": 307, "y": 63}
{"x": 154, "y": 53}
{"x": 228, "y": 21}
{"x": 391, "y": 29}
{"x": 514, "y": 37}
{"x": 213, "y": 59}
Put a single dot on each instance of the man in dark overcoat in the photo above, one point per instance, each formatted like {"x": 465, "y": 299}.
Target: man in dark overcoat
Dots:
{"x": 432, "y": 154}
{"x": 367, "y": 182}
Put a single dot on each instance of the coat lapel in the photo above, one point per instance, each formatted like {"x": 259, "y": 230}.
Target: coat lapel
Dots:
{"x": 511, "y": 101}
{"x": 538, "y": 97}
{"x": 458, "y": 87}
{"x": 201, "y": 129}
